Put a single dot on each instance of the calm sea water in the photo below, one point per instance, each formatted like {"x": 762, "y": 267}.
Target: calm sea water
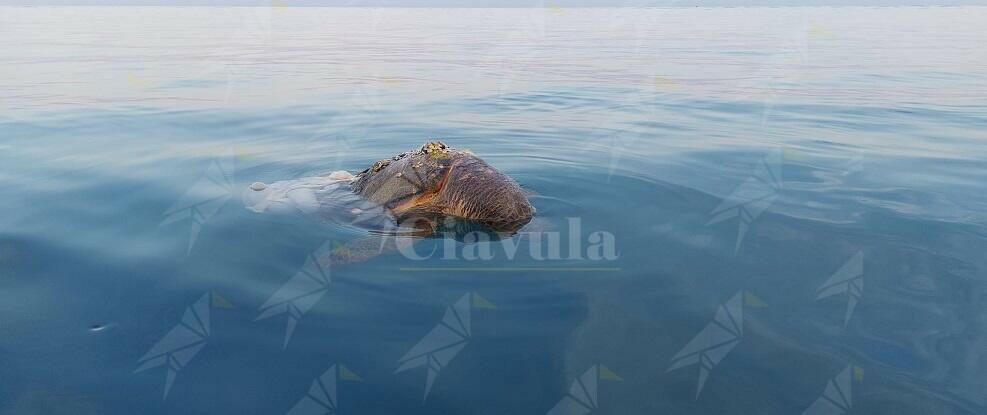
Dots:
{"x": 795, "y": 198}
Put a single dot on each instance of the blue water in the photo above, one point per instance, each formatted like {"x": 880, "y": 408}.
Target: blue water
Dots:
{"x": 795, "y": 198}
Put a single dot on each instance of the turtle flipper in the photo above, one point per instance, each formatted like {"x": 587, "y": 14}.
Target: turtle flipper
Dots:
{"x": 360, "y": 249}
{"x": 367, "y": 247}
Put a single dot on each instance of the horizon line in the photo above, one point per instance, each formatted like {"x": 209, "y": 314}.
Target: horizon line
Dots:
{"x": 520, "y": 4}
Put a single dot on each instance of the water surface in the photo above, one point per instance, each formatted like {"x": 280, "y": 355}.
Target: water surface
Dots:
{"x": 798, "y": 189}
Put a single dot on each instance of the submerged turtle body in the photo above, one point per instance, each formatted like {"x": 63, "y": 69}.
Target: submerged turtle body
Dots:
{"x": 421, "y": 187}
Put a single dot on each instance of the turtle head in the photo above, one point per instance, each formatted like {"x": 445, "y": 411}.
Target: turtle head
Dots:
{"x": 440, "y": 181}
{"x": 474, "y": 190}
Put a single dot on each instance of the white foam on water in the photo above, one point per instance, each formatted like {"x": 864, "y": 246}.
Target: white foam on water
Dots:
{"x": 290, "y": 195}
{"x": 325, "y": 198}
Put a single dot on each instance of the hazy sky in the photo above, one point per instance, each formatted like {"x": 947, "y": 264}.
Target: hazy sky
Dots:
{"x": 500, "y": 3}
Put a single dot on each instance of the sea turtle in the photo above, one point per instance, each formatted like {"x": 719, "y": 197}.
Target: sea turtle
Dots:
{"x": 433, "y": 191}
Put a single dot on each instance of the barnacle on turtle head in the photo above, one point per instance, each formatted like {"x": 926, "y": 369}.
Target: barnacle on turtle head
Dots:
{"x": 434, "y": 147}
{"x": 378, "y": 166}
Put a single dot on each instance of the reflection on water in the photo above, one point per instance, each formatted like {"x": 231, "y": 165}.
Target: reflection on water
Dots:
{"x": 794, "y": 195}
